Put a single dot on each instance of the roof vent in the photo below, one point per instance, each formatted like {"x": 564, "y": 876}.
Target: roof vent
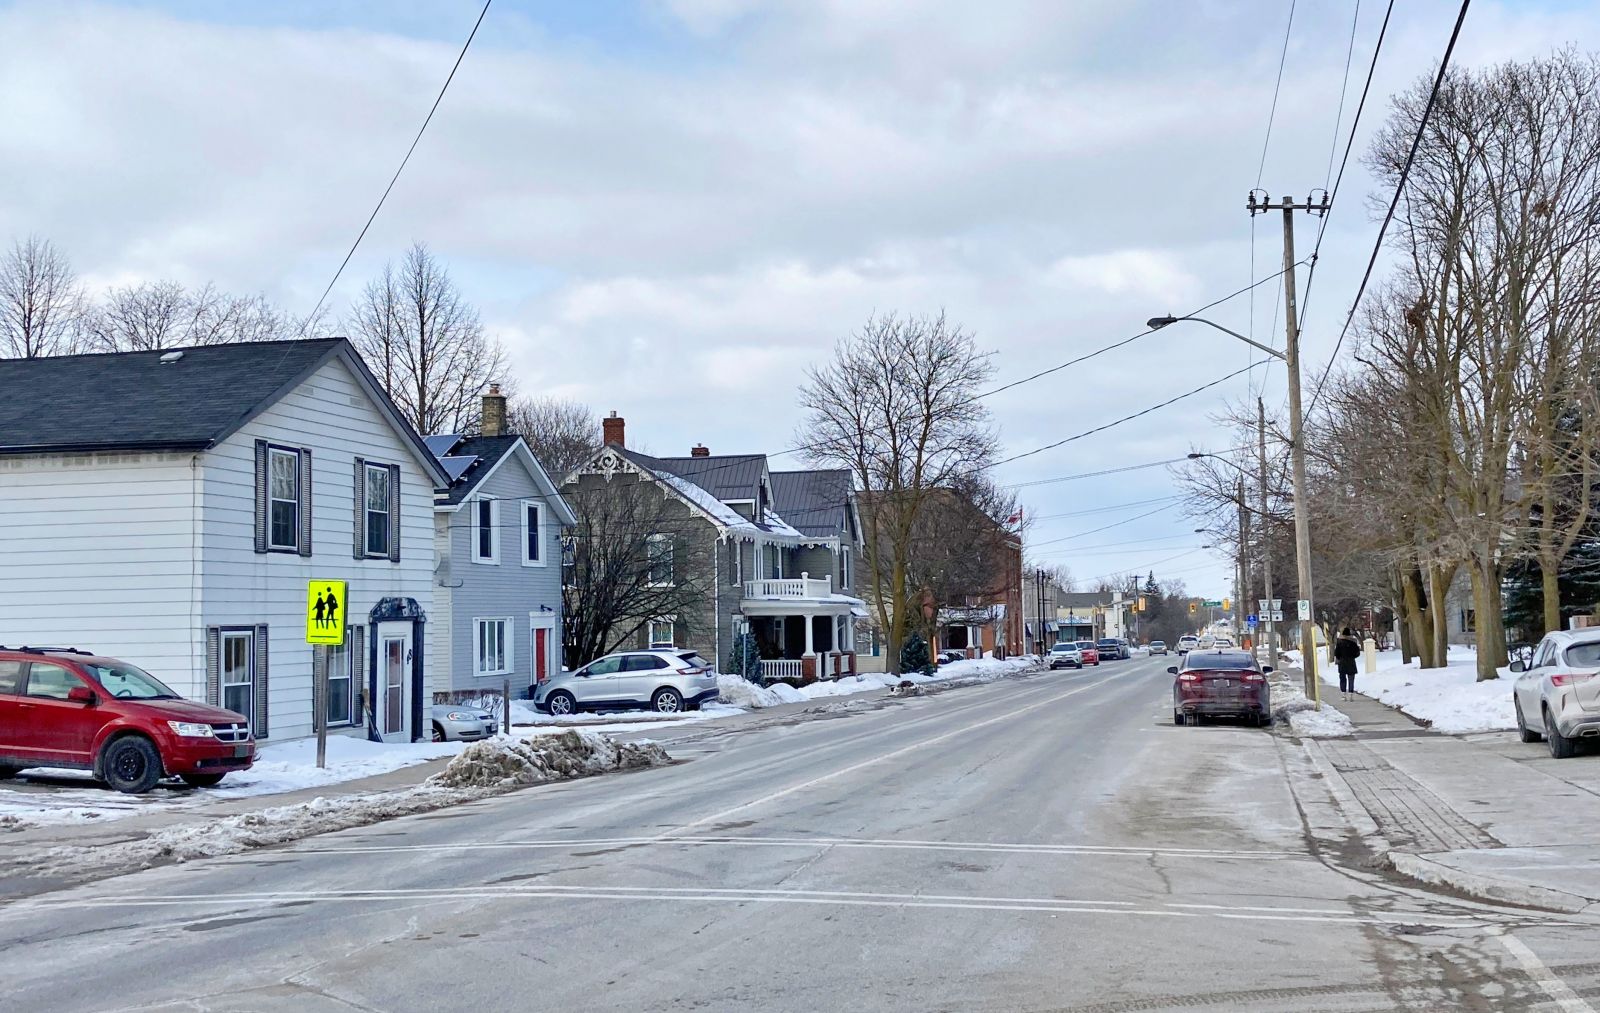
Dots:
{"x": 170, "y": 357}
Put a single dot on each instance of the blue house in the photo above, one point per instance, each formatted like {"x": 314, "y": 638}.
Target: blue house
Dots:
{"x": 497, "y": 575}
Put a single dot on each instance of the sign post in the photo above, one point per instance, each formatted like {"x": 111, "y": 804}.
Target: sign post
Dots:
{"x": 325, "y": 605}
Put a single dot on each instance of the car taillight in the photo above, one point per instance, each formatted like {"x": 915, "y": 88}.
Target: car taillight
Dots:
{"x": 693, "y": 671}
{"x": 1569, "y": 678}
{"x": 1189, "y": 677}
{"x": 1254, "y": 677}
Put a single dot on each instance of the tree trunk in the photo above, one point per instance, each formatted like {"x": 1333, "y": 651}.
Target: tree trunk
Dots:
{"x": 1550, "y": 579}
{"x": 1420, "y": 624}
{"x": 1491, "y": 630}
{"x": 1439, "y": 577}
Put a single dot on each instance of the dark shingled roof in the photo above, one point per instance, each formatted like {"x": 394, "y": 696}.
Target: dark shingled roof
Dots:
{"x": 488, "y": 450}
{"x": 813, "y": 502}
{"x": 133, "y": 401}
{"x": 728, "y": 476}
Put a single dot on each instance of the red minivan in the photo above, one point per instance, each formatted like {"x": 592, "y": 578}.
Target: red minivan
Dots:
{"x": 61, "y": 707}
{"x": 1226, "y": 683}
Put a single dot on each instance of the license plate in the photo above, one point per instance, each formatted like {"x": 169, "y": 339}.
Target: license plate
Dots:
{"x": 241, "y": 751}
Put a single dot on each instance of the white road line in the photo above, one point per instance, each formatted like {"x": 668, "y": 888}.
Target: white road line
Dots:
{"x": 1547, "y": 980}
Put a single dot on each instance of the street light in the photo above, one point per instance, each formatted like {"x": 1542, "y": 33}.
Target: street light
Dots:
{"x": 1290, "y": 357}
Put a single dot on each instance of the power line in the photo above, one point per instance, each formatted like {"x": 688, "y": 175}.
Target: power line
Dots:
{"x": 1344, "y": 86}
{"x": 1095, "y": 531}
{"x": 429, "y": 119}
{"x": 1068, "y": 550}
{"x": 1105, "y": 509}
{"x": 1093, "y": 474}
{"x": 1273, "y": 112}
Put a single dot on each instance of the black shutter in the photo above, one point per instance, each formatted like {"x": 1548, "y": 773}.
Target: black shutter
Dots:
{"x": 358, "y": 668}
{"x": 213, "y": 666}
{"x": 394, "y": 513}
{"x": 262, "y": 490}
{"x": 259, "y": 718}
{"x": 304, "y": 509}
{"x": 359, "y": 546}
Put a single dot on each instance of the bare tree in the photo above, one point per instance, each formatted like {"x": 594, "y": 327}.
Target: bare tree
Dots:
{"x": 40, "y": 301}
{"x": 963, "y": 553}
{"x": 164, "y": 314}
{"x": 896, "y": 406}
{"x": 562, "y": 434}
{"x": 426, "y": 344}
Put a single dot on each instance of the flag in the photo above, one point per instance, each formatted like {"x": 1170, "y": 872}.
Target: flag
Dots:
{"x": 1015, "y": 520}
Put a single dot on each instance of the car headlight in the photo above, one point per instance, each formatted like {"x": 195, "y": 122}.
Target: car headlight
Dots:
{"x": 461, "y": 716}
{"x": 192, "y": 730}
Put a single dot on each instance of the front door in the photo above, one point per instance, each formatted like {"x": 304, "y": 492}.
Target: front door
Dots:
{"x": 392, "y": 684}
{"x": 51, "y": 726}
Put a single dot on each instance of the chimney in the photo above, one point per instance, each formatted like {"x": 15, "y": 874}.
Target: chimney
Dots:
{"x": 611, "y": 428}
{"x": 494, "y": 412}
{"x": 700, "y": 450}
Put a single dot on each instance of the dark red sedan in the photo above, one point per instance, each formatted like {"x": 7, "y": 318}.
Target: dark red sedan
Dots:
{"x": 1225, "y": 683}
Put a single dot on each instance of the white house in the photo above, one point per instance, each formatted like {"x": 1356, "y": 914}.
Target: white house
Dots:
{"x": 168, "y": 508}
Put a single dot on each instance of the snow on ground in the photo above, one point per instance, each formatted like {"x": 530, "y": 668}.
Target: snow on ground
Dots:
{"x": 526, "y": 720}
{"x": 1450, "y": 699}
{"x": 1290, "y": 703}
{"x": 742, "y": 693}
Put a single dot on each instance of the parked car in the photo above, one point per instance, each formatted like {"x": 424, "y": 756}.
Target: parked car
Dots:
{"x": 1223, "y": 644}
{"x": 667, "y": 680}
{"x": 1187, "y": 644}
{"x": 61, "y": 707}
{"x": 1088, "y": 652}
{"x": 1557, "y": 694}
{"x": 1158, "y": 647}
{"x": 1065, "y": 656}
{"x": 460, "y": 723}
{"x": 1220, "y": 684}
{"x": 1112, "y": 649}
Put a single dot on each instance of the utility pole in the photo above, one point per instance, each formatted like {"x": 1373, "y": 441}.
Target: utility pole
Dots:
{"x": 1240, "y": 588}
{"x": 1291, "y": 358}
{"x": 1266, "y": 540}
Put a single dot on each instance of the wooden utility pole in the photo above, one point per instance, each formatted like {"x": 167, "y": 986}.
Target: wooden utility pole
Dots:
{"x": 1266, "y": 540}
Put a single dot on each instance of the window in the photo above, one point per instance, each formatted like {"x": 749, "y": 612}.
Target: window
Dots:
{"x": 1469, "y": 620}
{"x": 50, "y": 681}
{"x": 486, "y": 536}
{"x": 605, "y": 666}
{"x": 283, "y": 499}
{"x": 569, "y": 561}
{"x": 377, "y": 510}
{"x": 1586, "y": 655}
{"x": 642, "y": 663}
{"x": 661, "y": 633}
{"x": 10, "y": 676}
{"x": 532, "y": 534}
{"x": 658, "y": 551}
{"x": 341, "y": 698}
{"x": 493, "y": 652}
{"x": 844, "y": 568}
{"x": 238, "y": 673}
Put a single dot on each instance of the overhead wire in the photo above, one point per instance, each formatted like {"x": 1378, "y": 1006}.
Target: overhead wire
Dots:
{"x": 1261, "y": 168}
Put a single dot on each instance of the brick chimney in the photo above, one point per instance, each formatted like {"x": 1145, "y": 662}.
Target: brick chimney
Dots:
{"x": 700, "y": 450}
{"x": 611, "y": 429}
{"x": 494, "y": 412}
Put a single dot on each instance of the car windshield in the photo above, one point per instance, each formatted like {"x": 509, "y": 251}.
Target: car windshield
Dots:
{"x": 1219, "y": 661}
{"x": 1062, "y": 647}
{"x": 1085, "y": 643}
{"x": 128, "y": 683}
{"x": 1158, "y": 643}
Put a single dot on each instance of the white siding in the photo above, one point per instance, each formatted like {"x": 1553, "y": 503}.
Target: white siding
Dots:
{"x": 100, "y": 552}
{"x": 330, "y": 414}
{"x": 440, "y": 626}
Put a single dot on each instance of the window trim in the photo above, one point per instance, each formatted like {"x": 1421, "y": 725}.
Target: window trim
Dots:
{"x": 248, "y": 635}
{"x": 348, "y": 650}
{"x": 493, "y": 558}
{"x": 657, "y": 538}
{"x": 367, "y": 468}
{"x": 299, "y": 496}
{"x": 671, "y": 622}
{"x": 539, "y": 534}
{"x": 508, "y": 645}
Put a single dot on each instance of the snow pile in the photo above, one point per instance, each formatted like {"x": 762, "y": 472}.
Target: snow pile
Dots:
{"x": 550, "y": 757}
{"x": 1449, "y": 699}
{"x": 740, "y": 692}
{"x": 1290, "y": 703}
{"x": 523, "y": 716}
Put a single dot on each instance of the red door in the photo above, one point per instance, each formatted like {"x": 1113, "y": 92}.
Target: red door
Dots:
{"x": 541, "y": 656}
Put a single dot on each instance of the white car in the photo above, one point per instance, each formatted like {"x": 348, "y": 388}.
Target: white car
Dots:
{"x": 1223, "y": 643}
{"x": 1064, "y": 655}
{"x": 1557, "y": 693}
{"x": 1206, "y": 642}
{"x": 1187, "y": 644}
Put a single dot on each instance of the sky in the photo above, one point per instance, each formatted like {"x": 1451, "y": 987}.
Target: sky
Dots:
{"x": 669, "y": 208}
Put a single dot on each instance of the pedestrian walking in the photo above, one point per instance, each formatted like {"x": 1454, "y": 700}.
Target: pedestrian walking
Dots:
{"x": 1345, "y": 652}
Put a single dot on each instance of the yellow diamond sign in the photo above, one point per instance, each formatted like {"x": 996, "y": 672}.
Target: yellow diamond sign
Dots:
{"x": 325, "y": 611}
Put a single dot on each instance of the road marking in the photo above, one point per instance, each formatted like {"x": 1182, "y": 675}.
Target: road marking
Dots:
{"x": 1545, "y": 978}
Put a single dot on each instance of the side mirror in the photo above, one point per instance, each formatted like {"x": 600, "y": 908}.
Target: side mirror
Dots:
{"x": 83, "y": 695}
{"x": 1266, "y": 670}
{"x": 1518, "y": 666}
{"x": 1172, "y": 669}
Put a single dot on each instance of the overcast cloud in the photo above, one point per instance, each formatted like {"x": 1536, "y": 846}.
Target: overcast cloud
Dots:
{"x": 669, "y": 208}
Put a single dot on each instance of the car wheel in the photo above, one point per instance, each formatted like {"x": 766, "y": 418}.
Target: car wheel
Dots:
{"x": 1561, "y": 747}
{"x": 667, "y": 700}
{"x": 1177, "y": 716}
{"x": 561, "y": 703}
{"x": 6, "y": 773}
{"x": 438, "y": 732}
{"x": 1523, "y": 732}
{"x": 202, "y": 780}
{"x": 131, "y": 765}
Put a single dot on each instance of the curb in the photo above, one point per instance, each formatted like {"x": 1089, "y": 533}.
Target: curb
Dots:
{"x": 1425, "y": 870}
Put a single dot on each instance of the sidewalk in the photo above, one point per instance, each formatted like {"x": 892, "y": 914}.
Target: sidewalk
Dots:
{"x": 1483, "y": 814}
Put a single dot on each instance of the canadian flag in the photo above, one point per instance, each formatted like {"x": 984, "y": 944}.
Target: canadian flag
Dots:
{"x": 1015, "y": 520}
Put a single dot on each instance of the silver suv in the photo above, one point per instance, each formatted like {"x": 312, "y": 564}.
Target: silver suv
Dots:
{"x": 668, "y": 681}
{"x": 1557, "y": 693}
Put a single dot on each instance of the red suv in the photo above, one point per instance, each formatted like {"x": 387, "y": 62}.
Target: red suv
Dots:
{"x": 61, "y": 707}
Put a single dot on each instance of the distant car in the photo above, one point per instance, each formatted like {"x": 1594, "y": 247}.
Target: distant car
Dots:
{"x": 1112, "y": 649}
{"x": 1206, "y": 642}
{"x": 1220, "y": 684}
{"x": 1158, "y": 647}
{"x": 1088, "y": 652}
{"x": 1187, "y": 644}
{"x": 1222, "y": 643}
{"x": 67, "y": 708}
{"x": 664, "y": 680}
{"x": 457, "y": 723}
{"x": 1557, "y": 693}
{"x": 1065, "y": 656}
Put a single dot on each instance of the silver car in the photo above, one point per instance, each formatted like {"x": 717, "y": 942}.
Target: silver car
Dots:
{"x": 1557, "y": 692}
{"x": 1065, "y": 655}
{"x": 667, "y": 681}
{"x": 459, "y": 723}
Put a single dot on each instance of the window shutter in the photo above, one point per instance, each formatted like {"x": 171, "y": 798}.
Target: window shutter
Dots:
{"x": 394, "y": 513}
{"x": 260, "y": 694}
{"x": 213, "y": 666}
{"x": 359, "y": 546}
{"x": 262, "y": 490}
{"x": 358, "y": 667}
{"x": 305, "y": 501}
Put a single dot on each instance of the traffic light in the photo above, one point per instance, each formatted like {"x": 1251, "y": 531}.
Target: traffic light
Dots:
{"x": 1141, "y": 603}
{"x": 1227, "y": 604}
{"x": 1191, "y": 608}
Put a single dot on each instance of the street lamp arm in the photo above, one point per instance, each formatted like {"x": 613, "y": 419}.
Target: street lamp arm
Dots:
{"x": 1156, "y": 323}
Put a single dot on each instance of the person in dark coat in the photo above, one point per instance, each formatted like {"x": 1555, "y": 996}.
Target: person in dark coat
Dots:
{"x": 1345, "y": 652}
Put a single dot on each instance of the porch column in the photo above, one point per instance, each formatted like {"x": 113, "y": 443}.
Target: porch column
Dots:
{"x": 810, "y": 650}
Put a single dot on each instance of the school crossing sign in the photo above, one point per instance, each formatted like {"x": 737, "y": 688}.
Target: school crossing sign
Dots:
{"x": 325, "y": 612}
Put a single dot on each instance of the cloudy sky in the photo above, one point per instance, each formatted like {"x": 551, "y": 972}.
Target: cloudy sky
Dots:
{"x": 668, "y": 208}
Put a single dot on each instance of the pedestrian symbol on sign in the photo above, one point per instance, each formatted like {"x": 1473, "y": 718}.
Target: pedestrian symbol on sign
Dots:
{"x": 325, "y": 604}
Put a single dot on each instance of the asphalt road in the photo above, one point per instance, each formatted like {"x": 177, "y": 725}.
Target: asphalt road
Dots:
{"x": 1044, "y": 843}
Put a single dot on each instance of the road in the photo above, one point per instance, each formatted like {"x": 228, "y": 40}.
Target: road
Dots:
{"x": 1043, "y": 843}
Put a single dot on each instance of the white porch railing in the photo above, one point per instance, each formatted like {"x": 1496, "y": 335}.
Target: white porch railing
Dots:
{"x": 802, "y": 587}
{"x": 780, "y": 668}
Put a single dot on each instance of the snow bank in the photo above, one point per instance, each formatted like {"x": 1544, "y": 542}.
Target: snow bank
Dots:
{"x": 1449, "y": 699}
{"x": 1290, "y": 703}
{"x": 549, "y": 757}
{"x": 740, "y": 692}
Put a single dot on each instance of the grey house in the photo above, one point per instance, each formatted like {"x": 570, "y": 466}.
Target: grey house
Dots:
{"x": 497, "y": 548}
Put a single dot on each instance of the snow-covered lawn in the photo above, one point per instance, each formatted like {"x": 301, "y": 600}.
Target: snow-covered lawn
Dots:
{"x": 1450, "y": 699}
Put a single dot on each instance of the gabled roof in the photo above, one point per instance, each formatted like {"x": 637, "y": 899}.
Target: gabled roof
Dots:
{"x": 194, "y": 400}
{"x": 814, "y": 502}
{"x": 479, "y": 457}
{"x": 727, "y": 476}
{"x": 700, "y": 482}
